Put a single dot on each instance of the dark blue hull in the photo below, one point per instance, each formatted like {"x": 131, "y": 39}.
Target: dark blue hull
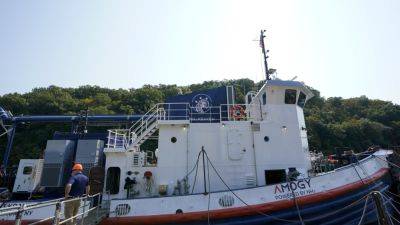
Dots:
{"x": 333, "y": 212}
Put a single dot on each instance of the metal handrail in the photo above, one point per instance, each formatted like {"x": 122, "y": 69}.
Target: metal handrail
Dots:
{"x": 150, "y": 110}
{"x": 156, "y": 113}
{"x": 19, "y": 210}
{"x": 172, "y": 111}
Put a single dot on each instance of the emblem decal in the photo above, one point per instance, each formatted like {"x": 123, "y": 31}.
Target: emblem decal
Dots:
{"x": 201, "y": 103}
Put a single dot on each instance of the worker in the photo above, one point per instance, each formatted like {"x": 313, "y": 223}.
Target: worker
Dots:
{"x": 77, "y": 186}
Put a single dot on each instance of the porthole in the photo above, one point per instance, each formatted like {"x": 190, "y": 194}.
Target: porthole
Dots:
{"x": 179, "y": 211}
{"x": 173, "y": 139}
{"x": 266, "y": 138}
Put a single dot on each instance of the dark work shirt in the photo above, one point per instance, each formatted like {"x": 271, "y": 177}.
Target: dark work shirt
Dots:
{"x": 79, "y": 183}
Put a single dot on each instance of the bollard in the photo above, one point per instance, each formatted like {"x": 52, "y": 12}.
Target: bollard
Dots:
{"x": 382, "y": 215}
{"x": 57, "y": 213}
{"x": 18, "y": 216}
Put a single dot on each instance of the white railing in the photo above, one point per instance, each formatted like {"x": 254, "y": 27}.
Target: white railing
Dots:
{"x": 117, "y": 138}
{"x": 161, "y": 111}
{"x": 93, "y": 209}
{"x": 124, "y": 138}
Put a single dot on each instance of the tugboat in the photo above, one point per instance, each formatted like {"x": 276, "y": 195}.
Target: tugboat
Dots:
{"x": 218, "y": 162}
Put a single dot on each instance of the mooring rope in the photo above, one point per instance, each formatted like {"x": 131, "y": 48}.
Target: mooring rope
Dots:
{"x": 195, "y": 176}
{"x": 366, "y": 198}
{"x": 364, "y": 210}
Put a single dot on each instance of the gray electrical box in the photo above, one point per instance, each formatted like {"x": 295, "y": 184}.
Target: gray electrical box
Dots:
{"x": 89, "y": 153}
{"x": 58, "y": 157}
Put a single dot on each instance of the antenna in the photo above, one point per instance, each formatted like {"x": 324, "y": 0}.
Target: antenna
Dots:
{"x": 262, "y": 45}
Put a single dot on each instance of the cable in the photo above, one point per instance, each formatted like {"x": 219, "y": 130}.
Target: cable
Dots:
{"x": 391, "y": 203}
{"x": 398, "y": 196}
{"x": 364, "y": 210}
{"x": 395, "y": 202}
{"x": 358, "y": 173}
{"x": 295, "y": 202}
{"x": 195, "y": 176}
{"x": 334, "y": 212}
{"x": 392, "y": 217}
{"x": 389, "y": 200}
{"x": 274, "y": 217}
{"x": 240, "y": 199}
{"x": 385, "y": 160}
{"x": 6, "y": 132}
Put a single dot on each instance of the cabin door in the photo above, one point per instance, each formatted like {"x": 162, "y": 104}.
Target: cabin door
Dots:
{"x": 96, "y": 180}
{"x": 235, "y": 148}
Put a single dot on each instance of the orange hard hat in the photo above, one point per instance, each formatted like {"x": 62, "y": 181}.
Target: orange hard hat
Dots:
{"x": 77, "y": 166}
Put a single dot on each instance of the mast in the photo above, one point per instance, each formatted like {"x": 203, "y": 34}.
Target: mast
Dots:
{"x": 262, "y": 45}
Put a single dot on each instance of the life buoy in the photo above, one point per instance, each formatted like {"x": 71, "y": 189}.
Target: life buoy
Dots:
{"x": 236, "y": 112}
{"x": 148, "y": 174}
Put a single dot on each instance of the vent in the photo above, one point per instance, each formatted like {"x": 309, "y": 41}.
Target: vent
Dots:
{"x": 226, "y": 201}
{"x": 136, "y": 160}
{"x": 255, "y": 127}
{"x": 122, "y": 209}
{"x": 250, "y": 181}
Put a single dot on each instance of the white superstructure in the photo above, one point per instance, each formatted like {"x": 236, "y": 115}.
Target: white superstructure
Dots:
{"x": 251, "y": 145}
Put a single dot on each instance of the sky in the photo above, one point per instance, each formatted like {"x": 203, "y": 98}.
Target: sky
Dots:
{"x": 344, "y": 48}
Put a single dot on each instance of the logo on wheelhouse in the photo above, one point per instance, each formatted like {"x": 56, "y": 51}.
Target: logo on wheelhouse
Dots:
{"x": 201, "y": 103}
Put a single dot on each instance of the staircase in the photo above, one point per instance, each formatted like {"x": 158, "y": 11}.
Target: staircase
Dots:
{"x": 130, "y": 139}
{"x": 145, "y": 127}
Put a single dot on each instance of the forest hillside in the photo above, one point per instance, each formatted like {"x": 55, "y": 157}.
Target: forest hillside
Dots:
{"x": 331, "y": 122}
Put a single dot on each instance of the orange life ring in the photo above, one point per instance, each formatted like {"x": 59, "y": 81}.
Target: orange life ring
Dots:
{"x": 237, "y": 112}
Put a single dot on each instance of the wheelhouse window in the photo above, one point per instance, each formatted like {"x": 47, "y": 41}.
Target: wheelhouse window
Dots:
{"x": 112, "y": 181}
{"x": 275, "y": 176}
{"x": 27, "y": 170}
{"x": 264, "y": 98}
{"x": 302, "y": 100}
{"x": 290, "y": 96}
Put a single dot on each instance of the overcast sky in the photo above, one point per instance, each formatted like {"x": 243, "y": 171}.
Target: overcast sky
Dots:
{"x": 342, "y": 47}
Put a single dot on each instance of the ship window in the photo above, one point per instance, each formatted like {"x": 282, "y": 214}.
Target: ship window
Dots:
{"x": 27, "y": 170}
{"x": 290, "y": 96}
{"x": 302, "y": 100}
{"x": 264, "y": 98}
{"x": 275, "y": 176}
{"x": 112, "y": 181}
{"x": 173, "y": 139}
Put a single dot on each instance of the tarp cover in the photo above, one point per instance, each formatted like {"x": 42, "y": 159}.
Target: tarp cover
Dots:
{"x": 203, "y": 105}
